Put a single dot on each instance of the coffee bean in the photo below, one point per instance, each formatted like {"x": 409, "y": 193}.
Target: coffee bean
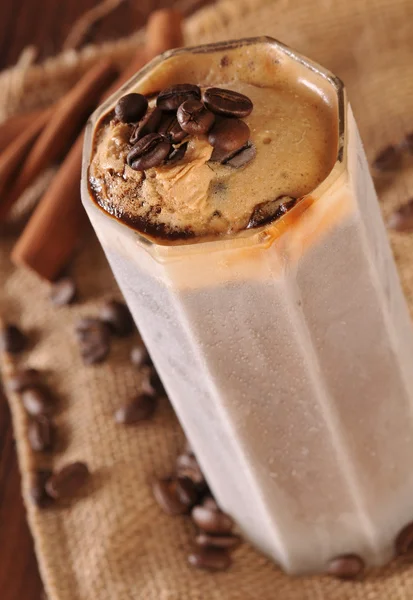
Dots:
{"x": 149, "y": 124}
{"x": 229, "y": 135}
{"x": 194, "y": 118}
{"x": 117, "y": 316}
{"x": 235, "y": 159}
{"x": 242, "y": 157}
{"x": 139, "y": 409}
{"x": 348, "y": 566}
{"x": 94, "y": 340}
{"x": 388, "y": 159}
{"x": 12, "y": 339}
{"x": 177, "y": 154}
{"x": 68, "y": 480}
{"x": 187, "y": 466}
{"x": 22, "y": 379}
{"x": 139, "y": 356}
{"x": 172, "y": 97}
{"x": 212, "y": 559}
{"x": 212, "y": 521}
{"x": 40, "y": 434}
{"x": 187, "y": 491}
{"x": 269, "y": 211}
{"x": 217, "y": 541}
{"x": 171, "y": 129}
{"x": 168, "y": 494}
{"x": 37, "y": 491}
{"x": 407, "y": 143}
{"x": 37, "y": 401}
{"x": 402, "y": 218}
{"x": 131, "y": 108}
{"x": 149, "y": 151}
{"x": 63, "y": 292}
{"x": 227, "y": 102}
{"x": 404, "y": 540}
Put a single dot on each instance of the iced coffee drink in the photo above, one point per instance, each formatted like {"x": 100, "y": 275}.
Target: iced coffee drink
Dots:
{"x": 228, "y": 187}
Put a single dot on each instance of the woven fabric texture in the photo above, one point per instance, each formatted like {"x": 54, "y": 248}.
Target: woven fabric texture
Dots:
{"x": 114, "y": 543}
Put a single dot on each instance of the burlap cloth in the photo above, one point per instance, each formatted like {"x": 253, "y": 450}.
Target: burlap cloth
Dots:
{"x": 115, "y": 543}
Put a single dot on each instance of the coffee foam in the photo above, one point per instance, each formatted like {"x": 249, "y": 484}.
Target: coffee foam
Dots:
{"x": 293, "y": 127}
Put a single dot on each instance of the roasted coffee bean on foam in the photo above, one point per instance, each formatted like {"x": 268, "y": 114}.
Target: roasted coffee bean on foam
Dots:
{"x": 149, "y": 151}
{"x": 227, "y": 102}
{"x": 131, "y": 108}
{"x": 194, "y": 118}
{"x": 172, "y": 97}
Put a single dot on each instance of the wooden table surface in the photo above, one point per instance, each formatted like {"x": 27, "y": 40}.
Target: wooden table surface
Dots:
{"x": 44, "y": 24}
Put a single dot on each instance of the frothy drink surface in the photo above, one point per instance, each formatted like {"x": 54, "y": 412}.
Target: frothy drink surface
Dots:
{"x": 293, "y": 128}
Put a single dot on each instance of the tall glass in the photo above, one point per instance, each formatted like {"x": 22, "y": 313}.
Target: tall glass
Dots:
{"x": 286, "y": 352}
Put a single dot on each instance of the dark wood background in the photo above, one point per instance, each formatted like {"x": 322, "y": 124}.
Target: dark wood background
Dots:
{"x": 44, "y": 24}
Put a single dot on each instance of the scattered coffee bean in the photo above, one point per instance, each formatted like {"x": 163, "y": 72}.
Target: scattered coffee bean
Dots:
{"x": 171, "y": 129}
{"x": 349, "y": 566}
{"x": 212, "y": 521}
{"x": 388, "y": 159}
{"x": 212, "y": 559}
{"x": 40, "y": 434}
{"x": 131, "y": 108}
{"x": 149, "y": 151}
{"x": 407, "y": 143}
{"x": 168, "y": 494}
{"x": 172, "y": 97}
{"x": 177, "y": 154}
{"x": 194, "y": 118}
{"x": 187, "y": 466}
{"x": 139, "y": 409}
{"x": 265, "y": 212}
{"x": 37, "y": 401}
{"x": 63, "y": 292}
{"x": 187, "y": 491}
{"x": 149, "y": 124}
{"x": 12, "y": 339}
{"x": 227, "y": 102}
{"x": 404, "y": 541}
{"x": 242, "y": 158}
{"x": 218, "y": 541}
{"x": 402, "y": 218}
{"x": 22, "y": 379}
{"x": 38, "y": 493}
{"x": 94, "y": 340}
{"x": 118, "y": 318}
{"x": 229, "y": 135}
{"x": 68, "y": 480}
{"x": 139, "y": 356}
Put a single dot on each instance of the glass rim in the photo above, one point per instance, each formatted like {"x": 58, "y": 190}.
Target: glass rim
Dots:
{"x": 243, "y": 235}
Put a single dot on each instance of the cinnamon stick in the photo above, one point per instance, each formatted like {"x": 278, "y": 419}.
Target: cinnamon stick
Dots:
{"x": 70, "y": 114}
{"x": 49, "y": 239}
{"x": 54, "y": 229}
{"x": 13, "y": 126}
{"x": 13, "y": 156}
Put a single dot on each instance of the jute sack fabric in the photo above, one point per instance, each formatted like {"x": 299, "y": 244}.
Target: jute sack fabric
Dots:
{"x": 114, "y": 543}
